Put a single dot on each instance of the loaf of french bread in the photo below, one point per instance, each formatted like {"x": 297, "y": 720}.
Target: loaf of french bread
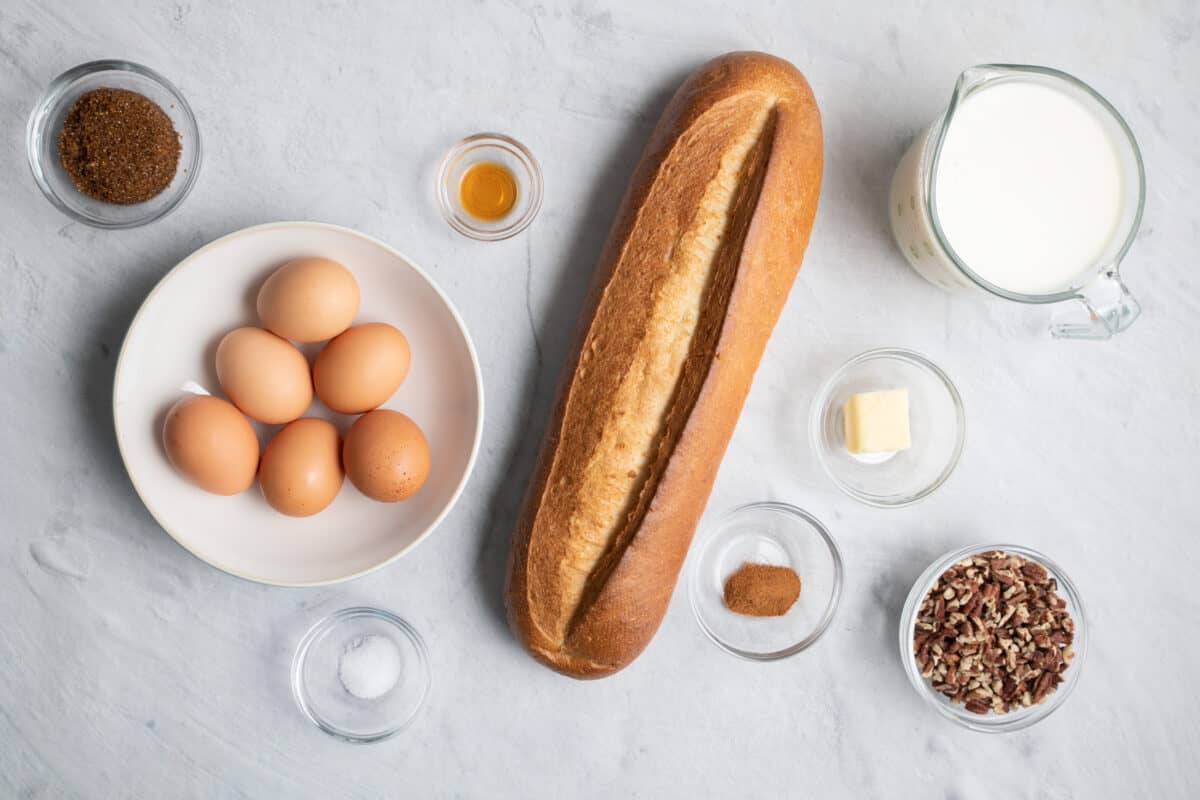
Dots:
{"x": 694, "y": 275}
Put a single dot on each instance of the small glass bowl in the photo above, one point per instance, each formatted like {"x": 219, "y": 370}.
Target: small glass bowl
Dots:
{"x": 502, "y": 150}
{"x": 992, "y": 722}
{"x": 936, "y": 420}
{"x": 766, "y": 533}
{"x": 318, "y": 689}
{"x": 46, "y": 120}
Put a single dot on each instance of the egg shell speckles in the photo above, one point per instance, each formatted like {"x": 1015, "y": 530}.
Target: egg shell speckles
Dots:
{"x": 386, "y": 456}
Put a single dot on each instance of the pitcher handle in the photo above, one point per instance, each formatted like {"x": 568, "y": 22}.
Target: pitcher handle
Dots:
{"x": 1099, "y": 311}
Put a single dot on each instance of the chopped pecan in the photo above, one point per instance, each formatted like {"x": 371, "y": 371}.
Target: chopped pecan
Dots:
{"x": 1034, "y": 572}
{"x": 978, "y": 707}
{"x": 993, "y": 634}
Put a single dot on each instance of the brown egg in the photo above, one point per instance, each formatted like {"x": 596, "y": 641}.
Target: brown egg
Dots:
{"x": 211, "y": 444}
{"x": 301, "y": 470}
{"x": 265, "y": 376}
{"x": 361, "y": 368}
{"x": 308, "y": 300}
{"x": 386, "y": 455}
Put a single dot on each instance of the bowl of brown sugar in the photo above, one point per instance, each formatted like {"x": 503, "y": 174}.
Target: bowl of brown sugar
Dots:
{"x": 113, "y": 144}
{"x": 765, "y": 581}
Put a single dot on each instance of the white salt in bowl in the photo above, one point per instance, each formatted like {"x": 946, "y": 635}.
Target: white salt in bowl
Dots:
{"x": 321, "y": 683}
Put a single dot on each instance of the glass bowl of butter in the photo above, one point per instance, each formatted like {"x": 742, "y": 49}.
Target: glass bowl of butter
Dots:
{"x": 888, "y": 427}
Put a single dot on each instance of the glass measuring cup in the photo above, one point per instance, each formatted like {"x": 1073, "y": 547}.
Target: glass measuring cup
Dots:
{"x": 1096, "y": 304}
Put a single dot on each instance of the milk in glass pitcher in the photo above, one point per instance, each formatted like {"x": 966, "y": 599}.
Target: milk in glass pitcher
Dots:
{"x": 1029, "y": 186}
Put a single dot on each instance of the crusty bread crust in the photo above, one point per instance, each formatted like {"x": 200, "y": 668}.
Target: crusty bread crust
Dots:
{"x": 704, "y": 249}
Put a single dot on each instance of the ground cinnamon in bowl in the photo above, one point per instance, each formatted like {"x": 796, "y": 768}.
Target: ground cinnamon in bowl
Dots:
{"x": 762, "y": 590}
{"x": 117, "y": 146}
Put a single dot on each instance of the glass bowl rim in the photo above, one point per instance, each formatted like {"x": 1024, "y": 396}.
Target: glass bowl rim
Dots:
{"x": 999, "y": 723}
{"x": 39, "y": 116}
{"x": 535, "y": 186}
{"x": 324, "y": 626}
{"x": 911, "y": 357}
{"x": 711, "y": 529}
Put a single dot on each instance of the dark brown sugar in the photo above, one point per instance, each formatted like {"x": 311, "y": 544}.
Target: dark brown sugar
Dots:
{"x": 118, "y": 146}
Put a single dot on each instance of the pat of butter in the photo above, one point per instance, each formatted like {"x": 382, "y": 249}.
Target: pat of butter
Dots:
{"x": 877, "y": 422}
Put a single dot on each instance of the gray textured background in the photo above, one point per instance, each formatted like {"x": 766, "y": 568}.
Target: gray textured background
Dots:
{"x": 130, "y": 669}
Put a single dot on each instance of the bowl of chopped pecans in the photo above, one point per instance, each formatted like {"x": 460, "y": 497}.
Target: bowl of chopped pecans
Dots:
{"x": 993, "y": 636}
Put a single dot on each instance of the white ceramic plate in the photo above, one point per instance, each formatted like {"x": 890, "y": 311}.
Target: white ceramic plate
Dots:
{"x": 169, "y": 351}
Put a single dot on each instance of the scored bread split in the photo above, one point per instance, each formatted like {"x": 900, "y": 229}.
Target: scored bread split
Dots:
{"x": 704, "y": 249}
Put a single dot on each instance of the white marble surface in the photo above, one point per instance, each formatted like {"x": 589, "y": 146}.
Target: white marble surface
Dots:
{"x": 130, "y": 669}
